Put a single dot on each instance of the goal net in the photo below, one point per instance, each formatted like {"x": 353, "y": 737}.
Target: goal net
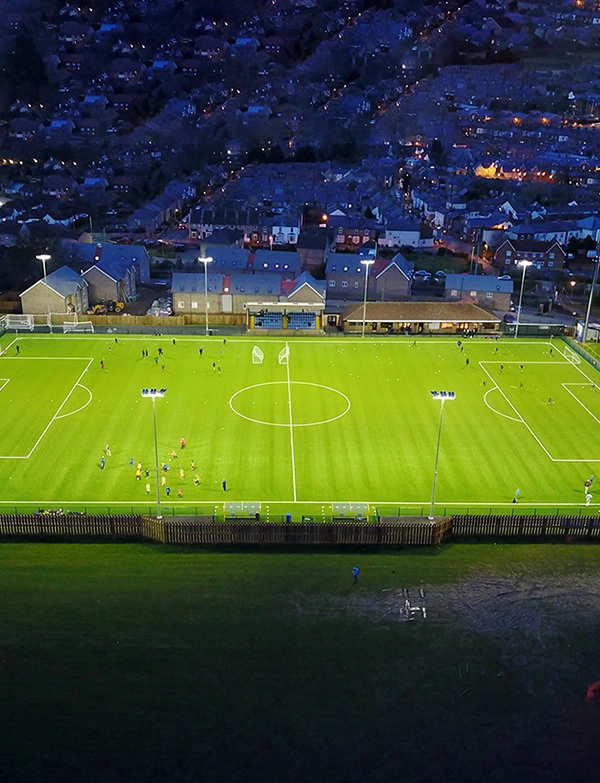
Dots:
{"x": 257, "y": 355}
{"x": 572, "y": 356}
{"x": 19, "y": 322}
{"x": 77, "y": 326}
{"x": 284, "y": 355}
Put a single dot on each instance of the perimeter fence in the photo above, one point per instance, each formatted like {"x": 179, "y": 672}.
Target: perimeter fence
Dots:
{"x": 393, "y": 531}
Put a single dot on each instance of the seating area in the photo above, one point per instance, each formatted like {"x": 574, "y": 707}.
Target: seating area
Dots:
{"x": 302, "y": 321}
{"x": 269, "y": 321}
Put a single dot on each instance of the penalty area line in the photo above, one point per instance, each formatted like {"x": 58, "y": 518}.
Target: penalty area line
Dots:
{"x": 64, "y": 402}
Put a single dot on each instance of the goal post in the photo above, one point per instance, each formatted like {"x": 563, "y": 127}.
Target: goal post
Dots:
{"x": 257, "y": 355}
{"x": 19, "y": 322}
{"x": 284, "y": 355}
{"x": 78, "y": 326}
{"x": 572, "y": 356}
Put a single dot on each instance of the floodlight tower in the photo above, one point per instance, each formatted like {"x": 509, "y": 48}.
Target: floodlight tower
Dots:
{"x": 153, "y": 394}
{"x": 594, "y": 281}
{"x": 367, "y": 263}
{"x": 443, "y": 397}
{"x": 206, "y": 261}
{"x": 523, "y": 264}
{"x": 44, "y": 257}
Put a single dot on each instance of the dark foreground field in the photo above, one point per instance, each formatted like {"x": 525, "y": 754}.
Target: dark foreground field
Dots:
{"x": 138, "y": 663}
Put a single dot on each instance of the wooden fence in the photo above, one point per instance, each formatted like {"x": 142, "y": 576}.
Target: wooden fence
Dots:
{"x": 389, "y": 531}
{"x": 534, "y": 527}
{"x": 62, "y": 526}
{"x": 205, "y": 530}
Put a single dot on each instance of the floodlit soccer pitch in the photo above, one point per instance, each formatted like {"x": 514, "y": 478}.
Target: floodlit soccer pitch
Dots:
{"x": 345, "y": 421}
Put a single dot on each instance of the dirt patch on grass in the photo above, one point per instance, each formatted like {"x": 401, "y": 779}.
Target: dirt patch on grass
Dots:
{"x": 482, "y": 604}
{"x": 494, "y": 604}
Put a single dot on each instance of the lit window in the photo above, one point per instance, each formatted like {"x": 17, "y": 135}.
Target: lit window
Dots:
{"x": 181, "y": 305}
{"x": 194, "y": 305}
{"x": 344, "y": 284}
{"x": 489, "y": 295}
{"x": 332, "y": 283}
{"x": 356, "y": 284}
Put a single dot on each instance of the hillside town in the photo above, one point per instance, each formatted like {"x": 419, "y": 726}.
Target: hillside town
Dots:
{"x": 293, "y": 141}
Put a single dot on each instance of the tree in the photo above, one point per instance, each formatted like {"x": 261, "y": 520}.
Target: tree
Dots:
{"x": 369, "y": 213}
{"x": 436, "y": 153}
{"x": 276, "y": 155}
{"x": 23, "y": 73}
{"x": 305, "y": 154}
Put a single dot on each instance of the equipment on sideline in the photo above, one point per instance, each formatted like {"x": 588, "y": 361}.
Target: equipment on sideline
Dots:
{"x": 257, "y": 355}
{"x": 284, "y": 355}
{"x": 77, "y": 326}
{"x": 572, "y": 356}
{"x": 17, "y": 322}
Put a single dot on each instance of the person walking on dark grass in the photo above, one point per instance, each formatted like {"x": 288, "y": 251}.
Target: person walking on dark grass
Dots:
{"x": 355, "y": 573}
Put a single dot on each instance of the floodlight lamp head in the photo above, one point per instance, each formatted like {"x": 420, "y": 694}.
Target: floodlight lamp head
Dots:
{"x": 525, "y": 264}
{"x": 44, "y": 257}
{"x": 153, "y": 392}
{"x": 367, "y": 261}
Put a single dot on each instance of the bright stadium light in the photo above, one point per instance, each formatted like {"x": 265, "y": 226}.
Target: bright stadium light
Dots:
{"x": 44, "y": 257}
{"x": 367, "y": 263}
{"x": 206, "y": 261}
{"x": 523, "y": 264}
{"x": 153, "y": 394}
{"x": 443, "y": 397}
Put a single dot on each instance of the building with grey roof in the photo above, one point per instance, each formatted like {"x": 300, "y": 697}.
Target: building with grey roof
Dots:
{"x": 62, "y": 291}
{"x": 491, "y": 292}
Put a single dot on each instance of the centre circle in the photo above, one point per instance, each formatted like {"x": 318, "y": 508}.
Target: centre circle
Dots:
{"x": 269, "y": 403}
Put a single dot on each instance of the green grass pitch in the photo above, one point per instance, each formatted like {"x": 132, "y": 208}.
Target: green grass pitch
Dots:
{"x": 347, "y": 420}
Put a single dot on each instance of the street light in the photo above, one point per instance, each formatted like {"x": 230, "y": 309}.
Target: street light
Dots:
{"x": 206, "y": 261}
{"x": 43, "y": 257}
{"x": 153, "y": 394}
{"x": 572, "y": 284}
{"x": 367, "y": 263}
{"x": 594, "y": 281}
{"x": 443, "y": 397}
{"x": 523, "y": 264}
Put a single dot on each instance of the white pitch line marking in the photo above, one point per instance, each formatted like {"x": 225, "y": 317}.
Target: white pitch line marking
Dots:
{"x": 56, "y": 415}
{"x": 518, "y": 414}
{"x": 64, "y": 402}
{"x": 3, "y": 381}
{"x": 289, "y": 386}
{"x": 219, "y": 502}
{"x": 511, "y": 418}
{"x": 64, "y": 415}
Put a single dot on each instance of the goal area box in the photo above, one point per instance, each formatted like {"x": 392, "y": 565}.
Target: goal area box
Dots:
{"x": 81, "y": 327}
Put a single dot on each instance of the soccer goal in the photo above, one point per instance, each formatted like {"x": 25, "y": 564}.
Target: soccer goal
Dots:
{"x": 257, "y": 355}
{"x": 19, "y": 322}
{"x": 77, "y": 326}
{"x": 572, "y": 356}
{"x": 284, "y": 355}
